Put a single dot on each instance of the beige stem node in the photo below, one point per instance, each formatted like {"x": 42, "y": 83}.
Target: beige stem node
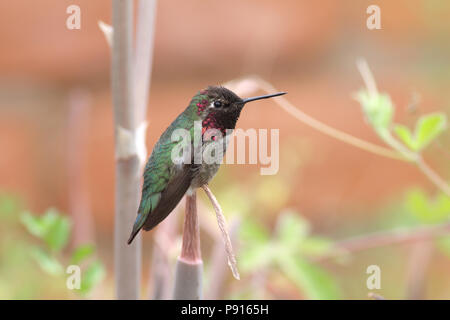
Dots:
{"x": 107, "y": 31}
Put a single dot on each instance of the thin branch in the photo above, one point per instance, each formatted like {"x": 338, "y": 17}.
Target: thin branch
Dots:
{"x": 325, "y": 129}
{"x": 367, "y": 76}
{"x": 433, "y": 176}
{"x": 402, "y": 153}
{"x": 223, "y": 229}
{"x": 385, "y": 238}
{"x": 386, "y": 135}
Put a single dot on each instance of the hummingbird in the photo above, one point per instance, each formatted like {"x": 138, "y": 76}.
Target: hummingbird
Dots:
{"x": 166, "y": 181}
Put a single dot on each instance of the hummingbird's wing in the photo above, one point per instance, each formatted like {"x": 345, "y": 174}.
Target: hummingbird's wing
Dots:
{"x": 165, "y": 183}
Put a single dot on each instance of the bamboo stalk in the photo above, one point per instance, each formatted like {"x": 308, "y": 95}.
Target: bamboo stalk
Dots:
{"x": 145, "y": 33}
{"x": 127, "y": 259}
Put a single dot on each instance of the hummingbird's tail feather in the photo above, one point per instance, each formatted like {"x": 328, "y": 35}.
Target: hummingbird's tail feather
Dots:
{"x": 145, "y": 209}
{"x": 158, "y": 206}
{"x": 136, "y": 227}
{"x": 133, "y": 235}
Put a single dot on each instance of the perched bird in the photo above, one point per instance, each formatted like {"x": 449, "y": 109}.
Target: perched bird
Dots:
{"x": 166, "y": 180}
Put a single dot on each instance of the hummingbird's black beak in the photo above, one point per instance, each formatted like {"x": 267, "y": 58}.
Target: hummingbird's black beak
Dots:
{"x": 263, "y": 97}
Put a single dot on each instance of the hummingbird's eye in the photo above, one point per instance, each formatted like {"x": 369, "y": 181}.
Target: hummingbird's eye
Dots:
{"x": 217, "y": 104}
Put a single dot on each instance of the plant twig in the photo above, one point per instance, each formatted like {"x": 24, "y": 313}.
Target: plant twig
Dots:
{"x": 367, "y": 76}
{"x": 189, "y": 269}
{"x": 325, "y": 129}
{"x": 223, "y": 229}
{"x": 433, "y": 176}
{"x": 399, "y": 152}
{"x": 386, "y": 135}
{"x": 385, "y": 238}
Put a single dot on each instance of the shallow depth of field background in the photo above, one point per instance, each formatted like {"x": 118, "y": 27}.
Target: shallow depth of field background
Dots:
{"x": 306, "y": 48}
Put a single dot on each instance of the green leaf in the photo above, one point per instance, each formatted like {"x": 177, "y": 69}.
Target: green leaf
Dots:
{"x": 443, "y": 243}
{"x": 48, "y": 263}
{"x": 90, "y": 277}
{"x": 253, "y": 232}
{"x": 428, "y": 128}
{"x": 9, "y": 205}
{"x": 51, "y": 227}
{"x": 406, "y": 137}
{"x": 378, "y": 108}
{"x": 417, "y": 204}
{"x": 81, "y": 253}
{"x": 33, "y": 224}
{"x": 315, "y": 246}
{"x": 314, "y": 281}
{"x": 256, "y": 257}
{"x": 58, "y": 230}
{"x": 425, "y": 210}
{"x": 291, "y": 228}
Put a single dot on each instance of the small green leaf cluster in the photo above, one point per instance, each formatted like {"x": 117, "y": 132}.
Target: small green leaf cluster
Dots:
{"x": 53, "y": 230}
{"x": 288, "y": 250}
{"x": 430, "y": 211}
{"x": 379, "y": 110}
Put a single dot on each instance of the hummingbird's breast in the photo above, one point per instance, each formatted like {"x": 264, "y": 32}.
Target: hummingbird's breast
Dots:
{"x": 213, "y": 152}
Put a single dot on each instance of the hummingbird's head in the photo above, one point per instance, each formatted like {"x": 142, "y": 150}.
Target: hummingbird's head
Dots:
{"x": 223, "y": 107}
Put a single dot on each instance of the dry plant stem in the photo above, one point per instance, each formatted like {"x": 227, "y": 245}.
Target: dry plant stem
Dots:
{"x": 367, "y": 76}
{"x": 223, "y": 229}
{"x": 218, "y": 268}
{"x": 127, "y": 259}
{"x": 330, "y": 131}
{"x": 190, "y": 250}
{"x": 371, "y": 86}
{"x": 433, "y": 176}
{"x": 418, "y": 264}
{"x": 347, "y": 138}
{"x": 385, "y": 238}
{"x": 189, "y": 268}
